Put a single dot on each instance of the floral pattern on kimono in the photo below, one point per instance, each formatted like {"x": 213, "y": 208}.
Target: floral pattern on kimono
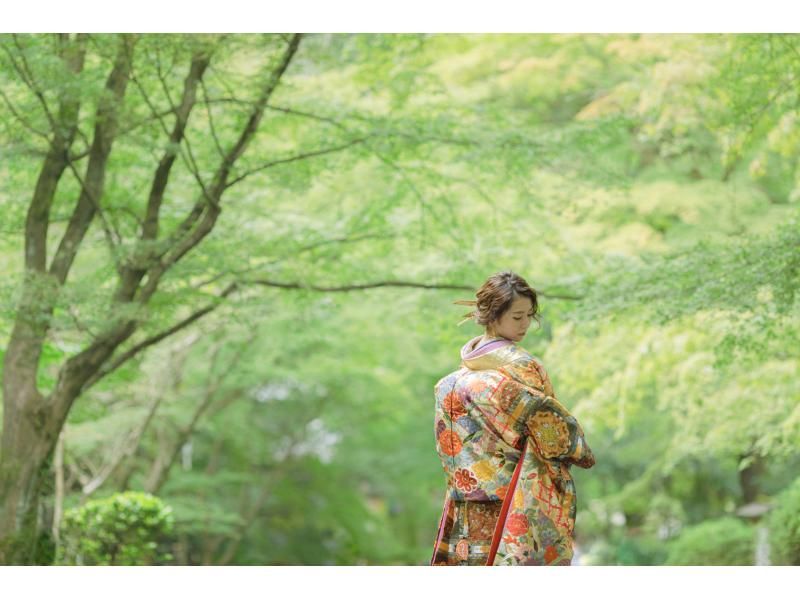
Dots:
{"x": 500, "y": 401}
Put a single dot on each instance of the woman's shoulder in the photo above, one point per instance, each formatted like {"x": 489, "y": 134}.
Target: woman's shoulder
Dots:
{"x": 469, "y": 380}
{"x": 523, "y": 358}
{"x": 528, "y": 369}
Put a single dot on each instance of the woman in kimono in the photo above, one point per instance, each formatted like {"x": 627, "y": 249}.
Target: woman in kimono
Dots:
{"x": 506, "y": 443}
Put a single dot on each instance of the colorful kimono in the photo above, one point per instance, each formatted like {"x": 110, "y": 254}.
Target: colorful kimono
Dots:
{"x": 497, "y": 408}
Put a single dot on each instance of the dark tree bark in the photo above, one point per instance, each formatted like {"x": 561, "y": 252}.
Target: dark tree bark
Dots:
{"x": 29, "y": 429}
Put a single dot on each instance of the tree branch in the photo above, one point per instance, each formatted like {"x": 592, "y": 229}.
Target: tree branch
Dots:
{"x": 211, "y": 126}
{"x": 161, "y": 467}
{"x": 132, "y": 273}
{"x": 203, "y": 217}
{"x": 188, "y": 158}
{"x": 303, "y": 249}
{"x": 22, "y": 119}
{"x": 113, "y": 238}
{"x": 383, "y": 283}
{"x": 128, "y": 447}
{"x": 27, "y": 76}
{"x": 152, "y": 340}
{"x": 92, "y": 190}
{"x": 295, "y": 158}
{"x": 191, "y": 165}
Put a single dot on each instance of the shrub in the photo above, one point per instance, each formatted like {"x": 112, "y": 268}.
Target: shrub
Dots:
{"x": 783, "y": 523}
{"x": 626, "y": 549}
{"x": 123, "y": 529}
{"x": 723, "y": 541}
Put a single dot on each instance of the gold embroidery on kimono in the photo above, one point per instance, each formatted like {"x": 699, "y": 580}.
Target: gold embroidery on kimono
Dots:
{"x": 500, "y": 401}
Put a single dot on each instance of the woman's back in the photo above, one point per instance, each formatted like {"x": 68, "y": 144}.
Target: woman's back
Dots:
{"x": 499, "y": 402}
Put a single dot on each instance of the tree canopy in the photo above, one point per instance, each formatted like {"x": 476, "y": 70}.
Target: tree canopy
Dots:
{"x": 231, "y": 261}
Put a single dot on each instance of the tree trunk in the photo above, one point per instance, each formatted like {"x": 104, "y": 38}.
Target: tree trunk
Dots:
{"x": 26, "y": 448}
{"x": 31, "y": 421}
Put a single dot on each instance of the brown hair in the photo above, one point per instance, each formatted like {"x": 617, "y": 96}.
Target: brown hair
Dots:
{"x": 495, "y": 297}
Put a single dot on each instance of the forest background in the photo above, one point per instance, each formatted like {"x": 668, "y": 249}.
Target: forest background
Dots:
{"x": 230, "y": 263}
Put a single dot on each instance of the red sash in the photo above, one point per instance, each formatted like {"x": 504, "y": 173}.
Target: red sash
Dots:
{"x": 501, "y": 520}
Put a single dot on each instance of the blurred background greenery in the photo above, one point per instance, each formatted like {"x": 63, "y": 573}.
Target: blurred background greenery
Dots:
{"x": 647, "y": 185}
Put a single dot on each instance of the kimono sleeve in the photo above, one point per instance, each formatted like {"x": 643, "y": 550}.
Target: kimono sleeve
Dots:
{"x": 555, "y": 432}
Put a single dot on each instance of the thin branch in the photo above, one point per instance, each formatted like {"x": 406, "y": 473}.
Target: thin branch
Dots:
{"x": 128, "y": 447}
{"x": 211, "y": 120}
{"x": 325, "y": 119}
{"x": 202, "y": 219}
{"x": 160, "y": 470}
{"x": 144, "y": 120}
{"x": 340, "y": 125}
{"x": 295, "y": 158}
{"x": 27, "y": 76}
{"x": 406, "y": 178}
{"x": 21, "y": 118}
{"x": 107, "y": 229}
{"x": 188, "y": 159}
{"x": 423, "y": 206}
{"x": 92, "y": 187}
{"x": 466, "y": 181}
{"x": 79, "y": 156}
{"x": 152, "y": 340}
{"x": 78, "y": 324}
{"x": 162, "y": 77}
{"x": 231, "y": 99}
{"x": 139, "y": 347}
{"x": 77, "y": 472}
{"x": 190, "y": 164}
{"x": 384, "y": 283}
{"x": 305, "y": 248}
{"x": 132, "y": 213}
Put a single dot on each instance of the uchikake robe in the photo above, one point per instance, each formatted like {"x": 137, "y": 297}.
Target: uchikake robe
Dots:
{"x": 500, "y": 401}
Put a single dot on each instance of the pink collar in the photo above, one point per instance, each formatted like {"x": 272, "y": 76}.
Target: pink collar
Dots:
{"x": 468, "y": 353}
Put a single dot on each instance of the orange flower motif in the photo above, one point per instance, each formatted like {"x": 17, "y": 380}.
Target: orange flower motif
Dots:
{"x": 517, "y": 524}
{"x": 453, "y": 406}
{"x": 550, "y": 554}
{"x": 477, "y": 386}
{"x": 462, "y": 549}
{"x": 465, "y": 480}
{"x": 450, "y": 443}
{"x": 507, "y": 394}
{"x": 501, "y": 492}
{"x": 550, "y": 432}
{"x": 509, "y": 539}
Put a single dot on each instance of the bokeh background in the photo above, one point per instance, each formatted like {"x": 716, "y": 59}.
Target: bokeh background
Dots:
{"x": 233, "y": 360}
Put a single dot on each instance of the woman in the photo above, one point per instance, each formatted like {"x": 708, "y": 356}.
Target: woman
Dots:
{"x": 506, "y": 444}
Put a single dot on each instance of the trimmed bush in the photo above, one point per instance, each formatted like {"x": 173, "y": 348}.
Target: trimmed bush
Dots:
{"x": 783, "y": 523}
{"x": 723, "y": 541}
{"x": 123, "y": 529}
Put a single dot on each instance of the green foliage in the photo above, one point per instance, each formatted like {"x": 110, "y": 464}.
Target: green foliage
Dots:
{"x": 646, "y": 184}
{"x": 784, "y": 526}
{"x": 723, "y": 541}
{"x": 129, "y": 528}
{"x": 626, "y": 549}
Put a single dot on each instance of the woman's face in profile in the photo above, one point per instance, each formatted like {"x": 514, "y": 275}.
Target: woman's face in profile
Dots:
{"x": 513, "y": 324}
